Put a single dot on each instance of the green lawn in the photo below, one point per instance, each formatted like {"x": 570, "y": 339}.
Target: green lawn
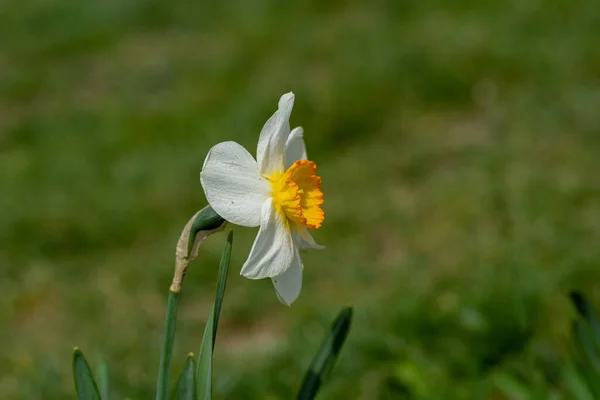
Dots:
{"x": 458, "y": 142}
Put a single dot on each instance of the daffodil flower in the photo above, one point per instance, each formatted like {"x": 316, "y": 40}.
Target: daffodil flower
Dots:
{"x": 279, "y": 191}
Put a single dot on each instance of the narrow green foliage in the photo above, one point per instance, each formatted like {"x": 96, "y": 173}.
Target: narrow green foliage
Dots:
{"x": 575, "y": 383}
{"x": 85, "y": 385}
{"x": 325, "y": 358}
{"x": 586, "y": 332}
{"x": 221, "y": 282}
{"x": 510, "y": 386}
{"x": 186, "y": 388}
{"x": 103, "y": 386}
{"x": 585, "y": 343}
{"x": 590, "y": 315}
{"x": 204, "y": 370}
{"x": 162, "y": 386}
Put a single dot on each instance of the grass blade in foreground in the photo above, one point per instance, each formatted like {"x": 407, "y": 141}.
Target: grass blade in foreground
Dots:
{"x": 162, "y": 387}
{"x": 585, "y": 344}
{"x": 586, "y": 330}
{"x": 102, "y": 372}
{"x": 204, "y": 379}
{"x": 586, "y": 333}
{"x": 186, "y": 388}
{"x": 326, "y": 356}
{"x": 588, "y": 312}
{"x": 575, "y": 384}
{"x": 85, "y": 385}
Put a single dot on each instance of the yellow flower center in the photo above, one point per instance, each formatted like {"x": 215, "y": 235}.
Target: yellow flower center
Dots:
{"x": 297, "y": 193}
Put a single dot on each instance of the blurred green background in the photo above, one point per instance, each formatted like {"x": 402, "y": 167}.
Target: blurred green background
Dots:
{"x": 458, "y": 142}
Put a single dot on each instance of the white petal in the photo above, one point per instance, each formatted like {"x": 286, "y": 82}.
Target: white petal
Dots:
{"x": 273, "y": 249}
{"x": 232, "y": 184}
{"x": 304, "y": 239}
{"x": 295, "y": 149}
{"x": 288, "y": 285}
{"x": 270, "y": 152}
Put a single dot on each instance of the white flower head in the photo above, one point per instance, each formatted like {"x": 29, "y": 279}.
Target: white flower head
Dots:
{"x": 279, "y": 191}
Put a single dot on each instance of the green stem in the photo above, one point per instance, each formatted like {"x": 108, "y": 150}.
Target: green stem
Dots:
{"x": 162, "y": 387}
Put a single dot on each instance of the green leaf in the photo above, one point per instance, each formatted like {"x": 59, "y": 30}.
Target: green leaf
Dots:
{"x": 102, "y": 370}
{"x": 511, "y": 386}
{"x": 204, "y": 370}
{"x": 591, "y": 377}
{"x": 586, "y": 332}
{"x": 575, "y": 383}
{"x": 186, "y": 388}
{"x": 162, "y": 385}
{"x": 585, "y": 343}
{"x": 588, "y": 312}
{"x": 325, "y": 358}
{"x": 85, "y": 385}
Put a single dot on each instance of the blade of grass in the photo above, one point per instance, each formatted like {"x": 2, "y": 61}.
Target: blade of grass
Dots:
{"x": 102, "y": 371}
{"x": 585, "y": 343}
{"x": 575, "y": 384}
{"x": 586, "y": 332}
{"x": 186, "y": 388}
{"x": 510, "y": 386}
{"x": 588, "y": 312}
{"x": 325, "y": 358}
{"x": 85, "y": 385}
{"x": 162, "y": 387}
{"x": 204, "y": 369}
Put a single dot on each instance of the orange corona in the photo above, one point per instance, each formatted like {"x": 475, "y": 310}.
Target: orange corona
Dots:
{"x": 297, "y": 194}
